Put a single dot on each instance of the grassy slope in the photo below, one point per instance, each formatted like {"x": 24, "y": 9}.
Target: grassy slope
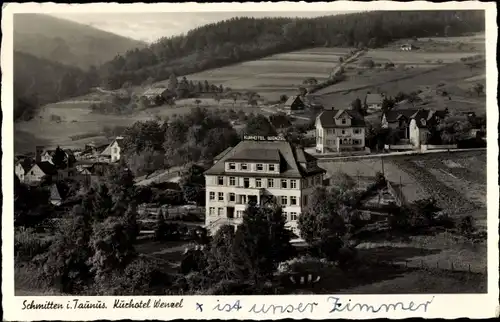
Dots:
{"x": 81, "y": 45}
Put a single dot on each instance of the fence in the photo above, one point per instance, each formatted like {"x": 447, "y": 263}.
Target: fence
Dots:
{"x": 398, "y": 147}
{"x": 426, "y": 147}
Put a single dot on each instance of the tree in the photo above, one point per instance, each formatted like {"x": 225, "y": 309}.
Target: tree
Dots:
{"x": 131, "y": 226}
{"x": 160, "y": 228}
{"x": 322, "y": 224}
{"x": 478, "y": 88}
{"x": 66, "y": 264}
{"x": 172, "y": 83}
{"x": 387, "y": 104}
{"x": 302, "y": 91}
{"x": 59, "y": 158}
{"x": 112, "y": 248}
{"x": 259, "y": 125}
{"x": 283, "y": 98}
{"x": 260, "y": 243}
{"x": 357, "y": 106}
{"x": 197, "y": 102}
{"x": 454, "y": 127}
{"x": 101, "y": 203}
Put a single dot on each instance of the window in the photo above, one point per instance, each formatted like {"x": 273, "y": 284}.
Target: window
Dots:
{"x": 293, "y": 184}
{"x": 356, "y": 131}
{"x": 305, "y": 201}
{"x": 293, "y": 216}
{"x": 270, "y": 183}
{"x": 212, "y": 195}
{"x": 242, "y": 199}
{"x": 318, "y": 180}
{"x": 283, "y": 184}
{"x": 343, "y": 131}
{"x": 343, "y": 121}
{"x": 115, "y": 150}
{"x": 246, "y": 182}
{"x": 260, "y": 167}
{"x": 212, "y": 211}
{"x": 293, "y": 200}
{"x": 285, "y": 214}
{"x": 232, "y": 197}
{"x": 271, "y": 167}
{"x": 355, "y": 142}
{"x": 220, "y": 211}
{"x": 232, "y": 166}
{"x": 243, "y": 166}
{"x": 258, "y": 183}
{"x": 232, "y": 181}
{"x": 284, "y": 200}
{"x": 220, "y": 181}
{"x": 239, "y": 213}
{"x": 221, "y": 196}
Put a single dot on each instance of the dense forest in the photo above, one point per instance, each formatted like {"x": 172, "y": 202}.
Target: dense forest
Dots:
{"x": 39, "y": 81}
{"x": 237, "y": 40}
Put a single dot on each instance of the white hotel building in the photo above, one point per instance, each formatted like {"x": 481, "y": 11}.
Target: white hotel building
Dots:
{"x": 260, "y": 169}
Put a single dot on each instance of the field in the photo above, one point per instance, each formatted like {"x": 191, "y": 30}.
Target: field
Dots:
{"x": 437, "y": 65}
{"x": 278, "y": 74}
{"x": 78, "y": 125}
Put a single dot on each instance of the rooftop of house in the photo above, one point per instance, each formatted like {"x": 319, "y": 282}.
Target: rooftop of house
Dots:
{"x": 47, "y": 167}
{"x": 286, "y": 154}
{"x": 154, "y": 91}
{"x": 327, "y": 118}
{"x": 374, "y": 99}
{"x": 291, "y": 100}
{"x": 417, "y": 114}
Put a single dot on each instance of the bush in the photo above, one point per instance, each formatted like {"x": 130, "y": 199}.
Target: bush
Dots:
{"x": 369, "y": 63}
{"x": 27, "y": 244}
{"x": 140, "y": 277}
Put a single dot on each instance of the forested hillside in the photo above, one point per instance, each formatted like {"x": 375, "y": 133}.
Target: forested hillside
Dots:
{"x": 241, "y": 39}
{"x": 40, "y": 81}
{"x": 67, "y": 42}
{"x": 211, "y": 46}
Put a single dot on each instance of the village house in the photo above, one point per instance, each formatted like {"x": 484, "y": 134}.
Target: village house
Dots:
{"x": 411, "y": 125}
{"x": 293, "y": 103}
{"x": 260, "y": 170}
{"x": 374, "y": 101}
{"x": 340, "y": 130}
{"x": 40, "y": 170}
{"x": 399, "y": 120}
{"x": 420, "y": 123}
{"x": 21, "y": 168}
{"x": 407, "y": 47}
{"x": 157, "y": 96}
{"x": 112, "y": 152}
{"x": 56, "y": 195}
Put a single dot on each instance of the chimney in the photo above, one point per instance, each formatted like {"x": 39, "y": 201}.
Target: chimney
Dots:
{"x": 38, "y": 153}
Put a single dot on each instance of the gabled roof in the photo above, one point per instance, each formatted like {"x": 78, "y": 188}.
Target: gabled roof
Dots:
{"x": 222, "y": 154}
{"x": 107, "y": 149}
{"x": 47, "y": 167}
{"x": 423, "y": 118}
{"x": 55, "y": 193}
{"x": 327, "y": 118}
{"x": 154, "y": 91}
{"x": 374, "y": 99}
{"x": 292, "y": 99}
{"x": 256, "y": 155}
{"x": 289, "y": 155}
{"x": 394, "y": 115}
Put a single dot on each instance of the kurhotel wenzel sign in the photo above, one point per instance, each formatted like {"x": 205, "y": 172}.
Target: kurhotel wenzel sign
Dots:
{"x": 263, "y": 138}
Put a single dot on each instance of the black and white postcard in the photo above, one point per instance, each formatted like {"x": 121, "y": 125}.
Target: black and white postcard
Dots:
{"x": 249, "y": 160}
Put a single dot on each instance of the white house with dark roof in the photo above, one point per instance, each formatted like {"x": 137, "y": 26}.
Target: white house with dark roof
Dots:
{"x": 374, "y": 101}
{"x": 112, "y": 152}
{"x": 260, "y": 169}
{"x": 340, "y": 130}
{"x": 40, "y": 170}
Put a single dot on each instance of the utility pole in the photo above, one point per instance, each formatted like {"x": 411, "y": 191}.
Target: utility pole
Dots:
{"x": 357, "y": 172}
{"x": 383, "y": 171}
{"x": 400, "y": 190}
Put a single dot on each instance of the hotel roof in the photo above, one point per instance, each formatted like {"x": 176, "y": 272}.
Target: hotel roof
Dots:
{"x": 292, "y": 160}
